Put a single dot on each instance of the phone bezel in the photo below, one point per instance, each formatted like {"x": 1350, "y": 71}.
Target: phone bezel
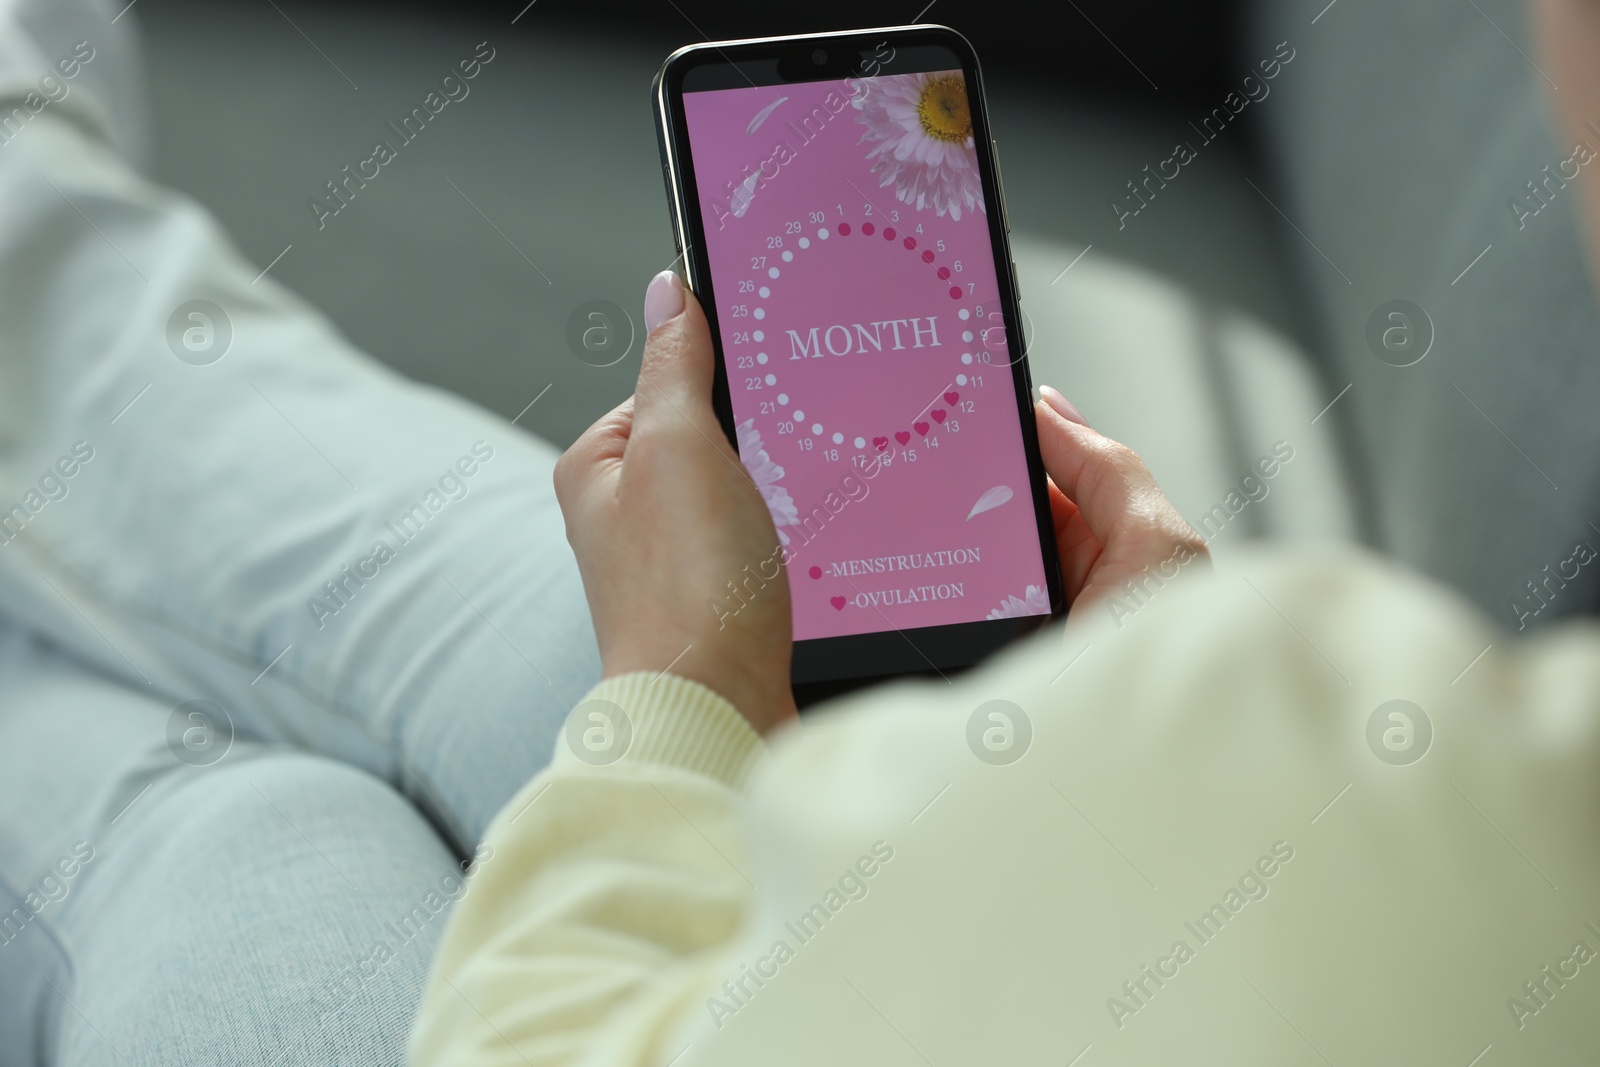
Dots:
{"x": 827, "y": 662}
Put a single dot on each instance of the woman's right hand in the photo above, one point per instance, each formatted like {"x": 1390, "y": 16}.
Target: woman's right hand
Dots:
{"x": 1112, "y": 521}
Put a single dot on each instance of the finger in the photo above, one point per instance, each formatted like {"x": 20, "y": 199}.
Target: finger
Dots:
{"x": 1110, "y": 484}
{"x": 676, "y": 375}
{"x": 1066, "y": 407}
{"x": 602, "y": 443}
{"x": 1075, "y": 545}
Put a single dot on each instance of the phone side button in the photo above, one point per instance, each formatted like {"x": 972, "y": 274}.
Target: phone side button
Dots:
{"x": 1000, "y": 183}
{"x": 672, "y": 211}
{"x": 1016, "y": 287}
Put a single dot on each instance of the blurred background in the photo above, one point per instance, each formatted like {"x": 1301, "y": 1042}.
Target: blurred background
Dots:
{"x": 256, "y": 108}
{"x": 1233, "y": 312}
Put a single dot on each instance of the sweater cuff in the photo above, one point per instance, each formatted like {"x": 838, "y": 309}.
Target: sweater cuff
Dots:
{"x": 670, "y": 721}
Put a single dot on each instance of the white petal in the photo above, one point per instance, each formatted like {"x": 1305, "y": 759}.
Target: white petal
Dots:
{"x": 992, "y": 499}
{"x": 761, "y": 116}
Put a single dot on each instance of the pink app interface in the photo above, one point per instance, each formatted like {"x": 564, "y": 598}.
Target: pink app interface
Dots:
{"x": 871, "y": 382}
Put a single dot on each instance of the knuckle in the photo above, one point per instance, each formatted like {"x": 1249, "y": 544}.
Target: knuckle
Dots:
{"x": 564, "y": 474}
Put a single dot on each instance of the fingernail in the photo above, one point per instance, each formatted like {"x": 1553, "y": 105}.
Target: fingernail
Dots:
{"x": 1062, "y": 405}
{"x": 662, "y": 300}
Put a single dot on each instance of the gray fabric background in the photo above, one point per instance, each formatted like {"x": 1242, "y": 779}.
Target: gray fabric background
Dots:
{"x": 1404, "y": 131}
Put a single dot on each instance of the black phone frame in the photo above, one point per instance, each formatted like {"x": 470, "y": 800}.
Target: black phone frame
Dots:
{"x": 824, "y": 666}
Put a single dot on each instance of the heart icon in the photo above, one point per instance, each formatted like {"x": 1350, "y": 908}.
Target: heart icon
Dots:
{"x": 951, "y": 397}
{"x": 880, "y": 443}
{"x": 815, "y": 572}
{"x": 920, "y": 427}
{"x": 838, "y": 603}
{"x": 937, "y": 414}
{"x": 902, "y": 436}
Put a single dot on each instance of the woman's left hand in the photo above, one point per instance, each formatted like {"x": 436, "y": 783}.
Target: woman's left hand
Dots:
{"x": 680, "y": 560}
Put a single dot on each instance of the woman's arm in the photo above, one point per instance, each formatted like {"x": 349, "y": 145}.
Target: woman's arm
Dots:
{"x": 1215, "y": 835}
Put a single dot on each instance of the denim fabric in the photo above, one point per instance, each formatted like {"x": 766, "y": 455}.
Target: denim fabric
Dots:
{"x": 364, "y": 582}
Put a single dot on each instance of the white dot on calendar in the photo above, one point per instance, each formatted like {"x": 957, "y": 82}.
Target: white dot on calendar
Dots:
{"x": 966, "y": 357}
{"x": 962, "y": 314}
{"x": 759, "y": 336}
{"x": 838, "y": 438}
{"x": 822, "y": 234}
{"x": 816, "y": 428}
{"x": 961, "y": 379}
{"x": 799, "y": 416}
{"x": 783, "y": 398}
{"x": 760, "y": 313}
{"x": 966, "y": 335}
{"x": 861, "y": 442}
{"x": 772, "y": 379}
{"x": 772, "y": 272}
{"x": 761, "y": 357}
{"x": 788, "y": 256}
{"x": 805, "y": 242}
{"x": 765, "y": 292}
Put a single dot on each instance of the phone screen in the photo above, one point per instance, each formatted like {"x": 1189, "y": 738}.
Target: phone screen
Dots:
{"x": 871, "y": 379}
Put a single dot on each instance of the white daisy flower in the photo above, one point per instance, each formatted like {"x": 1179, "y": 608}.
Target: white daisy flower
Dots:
{"x": 1034, "y": 601}
{"x": 922, "y": 126}
{"x": 766, "y": 474}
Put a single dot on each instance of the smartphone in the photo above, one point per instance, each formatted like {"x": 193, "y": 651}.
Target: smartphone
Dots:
{"x": 837, "y": 209}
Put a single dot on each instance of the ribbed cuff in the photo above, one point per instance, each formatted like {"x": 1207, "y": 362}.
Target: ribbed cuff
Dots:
{"x": 675, "y": 722}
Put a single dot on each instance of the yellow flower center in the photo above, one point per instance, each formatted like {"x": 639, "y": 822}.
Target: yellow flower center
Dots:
{"x": 943, "y": 110}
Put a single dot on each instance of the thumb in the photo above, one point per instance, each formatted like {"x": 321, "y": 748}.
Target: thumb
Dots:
{"x": 676, "y": 374}
{"x": 1107, "y": 481}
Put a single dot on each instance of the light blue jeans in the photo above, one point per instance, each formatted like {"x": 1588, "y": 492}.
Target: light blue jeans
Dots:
{"x": 279, "y": 630}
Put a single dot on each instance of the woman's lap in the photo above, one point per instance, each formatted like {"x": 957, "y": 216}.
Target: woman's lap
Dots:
{"x": 340, "y": 558}
{"x": 273, "y": 907}
{"x": 221, "y": 544}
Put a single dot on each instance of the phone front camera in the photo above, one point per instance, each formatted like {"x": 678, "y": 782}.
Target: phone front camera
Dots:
{"x": 819, "y": 56}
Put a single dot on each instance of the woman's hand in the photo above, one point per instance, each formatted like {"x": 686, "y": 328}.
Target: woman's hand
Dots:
{"x": 1112, "y": 521}
{"x": 671, "y": 533}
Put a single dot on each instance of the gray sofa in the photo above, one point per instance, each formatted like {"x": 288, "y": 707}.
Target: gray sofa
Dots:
{"x": 1223, "y": 318}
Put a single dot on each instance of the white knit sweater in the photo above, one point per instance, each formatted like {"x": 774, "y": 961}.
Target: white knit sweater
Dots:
{"x": 1199, "y": 858}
